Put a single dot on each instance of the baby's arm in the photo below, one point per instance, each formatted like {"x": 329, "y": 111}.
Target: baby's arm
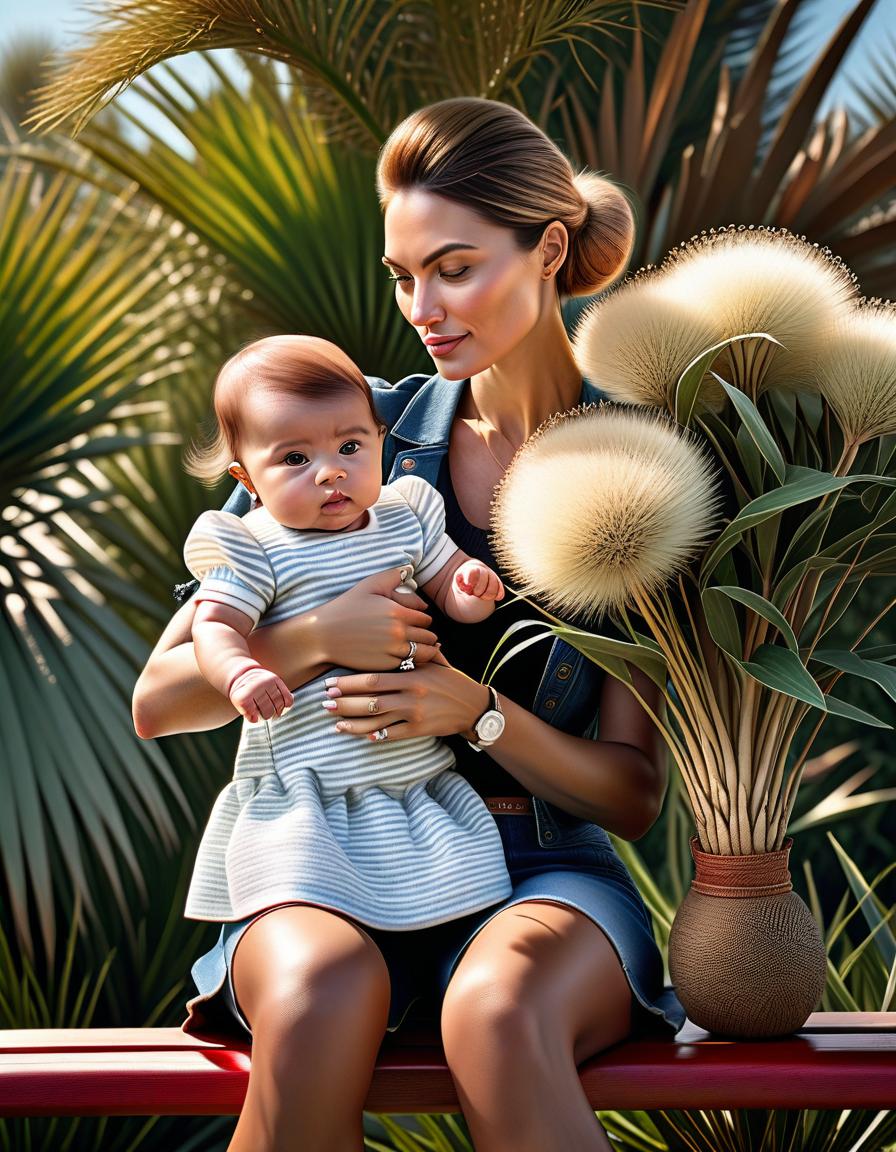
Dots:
{"x": 464, "y": 589}
{"x": 219, "y": 637}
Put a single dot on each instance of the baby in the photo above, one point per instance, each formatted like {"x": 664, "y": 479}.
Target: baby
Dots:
{"x": 388, "y": 834}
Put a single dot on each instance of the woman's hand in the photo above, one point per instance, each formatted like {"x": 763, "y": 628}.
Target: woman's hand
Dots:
{"x": 433, "y": 700}
{"x": 371, "y": 626}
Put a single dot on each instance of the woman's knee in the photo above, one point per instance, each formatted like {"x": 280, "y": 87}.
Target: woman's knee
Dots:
{"x": 481, "y": 1017}
{"x": 309, "y": 975}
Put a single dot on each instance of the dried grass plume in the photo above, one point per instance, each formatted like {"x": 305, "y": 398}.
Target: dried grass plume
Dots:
{"x": 764, "y": 280}
{"x": 635, "y": 342}
{"x": 601, "y": 506}
{"x": 857, "y": 372}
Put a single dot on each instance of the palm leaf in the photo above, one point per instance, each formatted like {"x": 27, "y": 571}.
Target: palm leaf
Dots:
{"x": 291, "y": 218}
{"x": 363, "y": 65}
{"x": 86, "y": 311}
{"x": 344, "y": 49}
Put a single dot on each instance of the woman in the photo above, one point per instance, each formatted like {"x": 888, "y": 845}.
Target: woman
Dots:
{"x": 485, "y": 229}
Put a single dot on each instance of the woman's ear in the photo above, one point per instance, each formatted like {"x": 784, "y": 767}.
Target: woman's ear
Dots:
{"x": 238, "y": 472}
{"x": 554, "y": 247}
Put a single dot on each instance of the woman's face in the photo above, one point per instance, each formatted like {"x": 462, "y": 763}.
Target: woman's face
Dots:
{"x": 467, "y": 287}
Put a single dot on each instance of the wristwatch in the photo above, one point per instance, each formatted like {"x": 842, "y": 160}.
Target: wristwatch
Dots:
{"x": 490, "y": 724}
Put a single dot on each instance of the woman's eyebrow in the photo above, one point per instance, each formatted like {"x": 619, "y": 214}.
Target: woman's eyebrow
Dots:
{"x": 438, "y": 254}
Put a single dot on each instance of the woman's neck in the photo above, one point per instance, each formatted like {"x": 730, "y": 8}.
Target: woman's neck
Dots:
{"x": 538, "y": 378}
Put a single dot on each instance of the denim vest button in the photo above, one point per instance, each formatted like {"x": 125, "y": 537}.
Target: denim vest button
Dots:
{"x": 563, "y": 672}
{"x": 552, "y": 703}
{"x": 549, "y": 835}
{"x": 408, "y": 464}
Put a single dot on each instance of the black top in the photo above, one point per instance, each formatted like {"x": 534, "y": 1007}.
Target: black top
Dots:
{"x": 469, "y": 646}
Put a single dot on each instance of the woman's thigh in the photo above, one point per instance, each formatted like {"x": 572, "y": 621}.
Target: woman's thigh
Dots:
{"x": 538, "y": 973}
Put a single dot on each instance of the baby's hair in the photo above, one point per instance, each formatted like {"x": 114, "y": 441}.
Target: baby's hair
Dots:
{"x": 305, "y": 366}
{"x": 491, "y": 158}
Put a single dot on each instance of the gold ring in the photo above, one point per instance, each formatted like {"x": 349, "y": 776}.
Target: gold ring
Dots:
{"x": 372, "y": 705}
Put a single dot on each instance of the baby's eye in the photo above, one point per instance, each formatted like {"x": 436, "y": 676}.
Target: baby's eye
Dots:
{"x": 295, "y": 459}
{"x": 349, "y": 448}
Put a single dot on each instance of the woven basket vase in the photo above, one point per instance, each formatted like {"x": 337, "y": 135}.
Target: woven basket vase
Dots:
{"x": 745, "y": 955}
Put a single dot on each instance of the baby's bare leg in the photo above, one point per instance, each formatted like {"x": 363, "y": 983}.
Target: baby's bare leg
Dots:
{"x": 538, "y": 991}
{"x": 315, "y": 991}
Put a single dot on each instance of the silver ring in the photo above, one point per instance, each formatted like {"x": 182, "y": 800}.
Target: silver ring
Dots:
{"x": 412, "y": 651}
{"x": 381, "y": 734}
{"x": 372, "y": 705}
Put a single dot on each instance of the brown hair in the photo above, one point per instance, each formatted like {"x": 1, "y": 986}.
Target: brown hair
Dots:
{"x": 302, "y": 365}
{"x": 493, "y": 159}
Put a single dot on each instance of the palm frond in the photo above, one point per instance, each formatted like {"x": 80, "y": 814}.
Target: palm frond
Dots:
{"x": 290, "y": 218}
{"x": 875, "y": 93}
{"x": 346, "y": 48}
{"x": 86, "y": 312}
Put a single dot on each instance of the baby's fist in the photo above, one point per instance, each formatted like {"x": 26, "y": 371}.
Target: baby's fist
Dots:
{"x": 478, "y": 580}
{"x": 259, "y": 695}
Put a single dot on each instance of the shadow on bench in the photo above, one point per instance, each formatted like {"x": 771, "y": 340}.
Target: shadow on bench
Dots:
{"x": 838, "y": 1060}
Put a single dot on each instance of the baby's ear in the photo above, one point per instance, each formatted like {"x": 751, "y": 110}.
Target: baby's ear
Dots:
{"x": 238, "y": 472}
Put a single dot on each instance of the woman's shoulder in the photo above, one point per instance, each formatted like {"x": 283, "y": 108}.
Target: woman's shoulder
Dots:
{"x": 392, "y": 399}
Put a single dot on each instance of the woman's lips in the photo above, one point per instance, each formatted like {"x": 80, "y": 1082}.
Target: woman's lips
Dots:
{"x": 439, "y": 347}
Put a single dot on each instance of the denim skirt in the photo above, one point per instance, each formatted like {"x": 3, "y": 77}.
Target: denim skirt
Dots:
{"x": 575, "y": 865}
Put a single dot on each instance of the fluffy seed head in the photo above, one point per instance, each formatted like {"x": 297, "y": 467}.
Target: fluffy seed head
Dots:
{"x": 764, "y": 280}
{"x": 603, "y": 505}
{"x": 636, "y": 341}
{"x": 857, "y": 371}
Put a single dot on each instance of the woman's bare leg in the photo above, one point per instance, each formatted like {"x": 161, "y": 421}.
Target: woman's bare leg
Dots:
{"x": 315, "y": 990}
{"x": 539, "y": 990}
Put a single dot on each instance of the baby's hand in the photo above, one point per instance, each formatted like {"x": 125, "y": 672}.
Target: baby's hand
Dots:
{"x": 477, "y": 580}
{"x": 259, "y": 695}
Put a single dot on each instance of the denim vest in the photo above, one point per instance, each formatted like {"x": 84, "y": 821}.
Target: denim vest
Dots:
{"x": 419, "y": 411}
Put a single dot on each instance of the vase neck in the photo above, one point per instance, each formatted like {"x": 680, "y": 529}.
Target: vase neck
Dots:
{"x": 762, "y": 874}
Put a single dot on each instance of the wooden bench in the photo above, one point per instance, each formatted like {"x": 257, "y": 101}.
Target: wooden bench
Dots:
{"x": 838, "y": 1060}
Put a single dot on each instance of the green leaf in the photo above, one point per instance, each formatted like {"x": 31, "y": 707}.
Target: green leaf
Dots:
{"x": 857, "y": 665}
{"x": 721, "y": 619}
{"x": 613, "y": 655}
{"x": 756, "y": 426}
{"x": 885, "y": 942}
{"x": 806, "y": 484}
{"x": 782, "y": 670}
{"x": 687, "y": 388}
{"x": 850, "y": 712}
{"x": 763, "y": 608}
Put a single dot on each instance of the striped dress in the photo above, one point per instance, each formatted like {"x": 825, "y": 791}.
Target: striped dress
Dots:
{"x": 385, "y": 832}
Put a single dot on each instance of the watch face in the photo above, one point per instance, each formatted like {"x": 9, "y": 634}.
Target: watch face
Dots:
{"x": 490, "y": 727}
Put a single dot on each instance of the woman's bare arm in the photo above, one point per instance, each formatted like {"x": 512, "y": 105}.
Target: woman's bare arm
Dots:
{"x": 617, "y": 781}
{"x": 364, "y": 628}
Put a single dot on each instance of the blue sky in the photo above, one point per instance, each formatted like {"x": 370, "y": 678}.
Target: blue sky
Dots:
{"x": 66, "y": 19}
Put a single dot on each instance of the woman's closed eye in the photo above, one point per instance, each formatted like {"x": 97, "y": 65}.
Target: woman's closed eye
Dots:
{"x": 403, "y": 277}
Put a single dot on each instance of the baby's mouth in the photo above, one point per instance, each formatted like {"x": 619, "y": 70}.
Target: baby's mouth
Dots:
{"x": 336, "y": 501}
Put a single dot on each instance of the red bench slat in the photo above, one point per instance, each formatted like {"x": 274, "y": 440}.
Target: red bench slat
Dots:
{"x": 838, "y": 1060}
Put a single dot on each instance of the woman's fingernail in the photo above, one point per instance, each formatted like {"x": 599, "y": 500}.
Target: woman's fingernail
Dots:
{"x": 333, "y": 693}
{"x": 329, "y": 682}
{"x": 331, "y": 704}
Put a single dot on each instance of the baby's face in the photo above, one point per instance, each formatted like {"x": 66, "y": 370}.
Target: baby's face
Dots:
{"x": 312, "y": 463}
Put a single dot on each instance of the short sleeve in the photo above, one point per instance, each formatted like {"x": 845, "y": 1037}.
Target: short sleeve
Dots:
{"x": 429, "y": 508}
{"x": 230, "y": 564}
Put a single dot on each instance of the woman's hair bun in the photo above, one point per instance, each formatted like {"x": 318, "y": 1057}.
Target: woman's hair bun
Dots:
{"x": 601, "y": 246}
